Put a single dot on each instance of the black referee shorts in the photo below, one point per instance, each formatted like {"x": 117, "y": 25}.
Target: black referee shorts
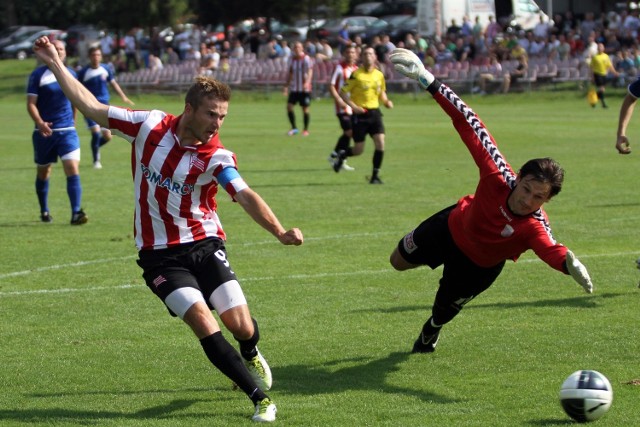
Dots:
{"x": 369, "y": 123}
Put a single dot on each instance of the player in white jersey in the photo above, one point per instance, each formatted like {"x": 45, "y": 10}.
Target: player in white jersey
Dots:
{"x": 339, "y": 77}
{"x": 97, "y": 77}
{"x": 298, "y": 88}
{"x": 54, "y": 136}
{"x": 178, "y": 163}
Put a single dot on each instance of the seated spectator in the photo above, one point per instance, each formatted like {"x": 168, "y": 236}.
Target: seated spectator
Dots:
{"x": 494, "y": 72}
{"x": 172, "y": 56}
{"x": 155, "y": 64}
{"x": 237, "y": 50}
{"x": 519, "y": 72}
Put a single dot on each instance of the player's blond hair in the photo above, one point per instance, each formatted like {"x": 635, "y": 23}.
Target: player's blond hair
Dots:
{"x": 206, "y": 87}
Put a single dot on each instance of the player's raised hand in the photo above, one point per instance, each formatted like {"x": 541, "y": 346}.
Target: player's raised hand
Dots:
{"x": 622, "y": 145}
{"x": 406, "y": 62}
{"x": 45, "y": 50}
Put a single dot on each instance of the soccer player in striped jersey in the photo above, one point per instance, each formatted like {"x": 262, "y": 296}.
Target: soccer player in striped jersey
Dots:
{"x": 178, "y": 164}
{"x": 298, "y": 88}
{"x": 97, "y": 77}
{"x": 54, "y": 136}
{"x": 339, "y": 77}
{"x": 473, "y": 238}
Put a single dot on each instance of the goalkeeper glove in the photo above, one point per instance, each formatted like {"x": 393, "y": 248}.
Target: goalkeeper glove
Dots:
{"x": 579, "y": 272}
{"x": 406, "y": 62}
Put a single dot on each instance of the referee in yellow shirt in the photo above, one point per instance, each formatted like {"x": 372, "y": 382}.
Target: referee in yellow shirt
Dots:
{"x": 600, "y": 65}
{"x": 364, "y": 91}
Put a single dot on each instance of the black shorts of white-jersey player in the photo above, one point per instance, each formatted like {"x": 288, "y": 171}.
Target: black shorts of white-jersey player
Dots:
{"x": 501, "y": 220}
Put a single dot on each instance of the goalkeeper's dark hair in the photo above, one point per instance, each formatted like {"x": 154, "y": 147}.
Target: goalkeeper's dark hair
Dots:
{"x": 544, "y": 170}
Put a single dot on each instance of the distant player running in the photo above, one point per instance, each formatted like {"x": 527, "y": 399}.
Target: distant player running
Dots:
{"x": 339, "y": 77}
{"x": 473, "y": 238}
{"x": 97, "y": 77}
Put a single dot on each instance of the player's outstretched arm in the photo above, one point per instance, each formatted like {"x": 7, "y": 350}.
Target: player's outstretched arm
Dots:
{"x": 579, "y": 272}
{"x": 75, "y": 91}
{"x": 407, "y": 63}
{"x": 262, "y": 214}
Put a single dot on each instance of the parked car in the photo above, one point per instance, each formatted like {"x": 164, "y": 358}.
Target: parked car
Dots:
{"x": 24, "y": 47}
{"x": 13, "y": 34}
{"x": 357, "y": 25}
{"x": 299, "y": 30}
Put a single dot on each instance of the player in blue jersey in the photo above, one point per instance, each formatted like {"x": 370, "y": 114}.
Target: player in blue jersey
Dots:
{"x": 54, "y": 136}
{"x": 96, "y": 76}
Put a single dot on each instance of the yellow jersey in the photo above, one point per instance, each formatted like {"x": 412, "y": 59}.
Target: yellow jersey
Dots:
{"x": 365, "y": 87}
{"x": 600, "y": 64}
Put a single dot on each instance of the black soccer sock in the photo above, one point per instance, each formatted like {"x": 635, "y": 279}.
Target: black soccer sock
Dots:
{"x": 292, "y": 119}
{"x": 224, "y": 357}
{"x": 377, "y": 161}
{"x": 248, "y": 347}
{"x": 343, "y": 143}
{"x": 429, "y": 328}
{"x": 306, "y": 118}
{"x": 601, "y": 98}
{"x": 444, "y": 313}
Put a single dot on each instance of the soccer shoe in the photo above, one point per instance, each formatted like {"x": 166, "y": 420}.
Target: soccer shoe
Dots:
{"x": 79, "y": 218}
{"x": 305, "y": 133}
{"x": 293, "y": 132}
{"x": 346, "y": 167}
{"x": 375, "y": 180}
{"x": 339, "y": 160}
{"x": 426, "y": 344}
{"x": 97, "y": 164}
{"x": 265, "y": 411}
{"x": 45, "y": 217}
{"x": 407, "y": 63}
{"x": 260, "y": 372}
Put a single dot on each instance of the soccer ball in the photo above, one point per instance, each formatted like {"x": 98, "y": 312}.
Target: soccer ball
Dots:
{"x": 586, "y": 395}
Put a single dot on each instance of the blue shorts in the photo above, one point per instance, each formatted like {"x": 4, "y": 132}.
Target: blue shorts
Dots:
{"x": 47, "y": 149}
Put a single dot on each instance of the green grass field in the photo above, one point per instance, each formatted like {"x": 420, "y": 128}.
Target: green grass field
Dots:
{"x": 85, "y": 343}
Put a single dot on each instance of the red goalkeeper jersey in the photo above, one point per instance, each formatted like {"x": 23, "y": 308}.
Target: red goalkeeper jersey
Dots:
{"x": 482, "y": 225}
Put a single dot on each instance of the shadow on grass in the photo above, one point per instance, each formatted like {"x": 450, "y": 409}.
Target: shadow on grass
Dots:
{"x": 359, "y": 374}
{"x": 551, "y": 422}
{"x": 585, "y": 301}
{"x": 55, "y": 415}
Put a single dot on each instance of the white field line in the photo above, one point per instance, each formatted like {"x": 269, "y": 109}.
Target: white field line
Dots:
{"x": 249, "y": 279}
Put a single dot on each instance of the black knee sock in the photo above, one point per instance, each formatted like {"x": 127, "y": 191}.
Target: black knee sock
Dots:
{"x": 429, "y": 329}
{"x": 292, "y": 119}
{"x": 343, "y": 143}
{"x": 248, "y": 347}
{"x": 224, "y": 357}
{"x": 306, "y": 118}
{"x": 377, "y": 161}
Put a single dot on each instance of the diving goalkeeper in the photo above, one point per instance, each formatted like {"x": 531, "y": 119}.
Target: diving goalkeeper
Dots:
{"x": 473, "y": 238}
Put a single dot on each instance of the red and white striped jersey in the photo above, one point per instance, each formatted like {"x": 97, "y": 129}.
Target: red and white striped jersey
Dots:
{"x": 482, "y": 225}
{"x": 299, "y": 70}
{"x": 339, "y": 77}
{"x": 175, "y": 186}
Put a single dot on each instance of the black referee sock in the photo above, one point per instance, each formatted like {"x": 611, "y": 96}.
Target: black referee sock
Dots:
{"x": 343, "y": 143}
{"x": 224, "y": 357}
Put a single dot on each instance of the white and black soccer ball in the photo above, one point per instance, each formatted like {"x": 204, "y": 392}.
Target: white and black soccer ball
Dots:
{"x": 586, "y": 395}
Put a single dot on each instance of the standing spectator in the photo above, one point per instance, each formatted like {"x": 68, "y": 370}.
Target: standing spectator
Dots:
{"x": 542, "y": 28}
{"x": 475, "y": 237}
{"x": 467, "y": 28}
{"x": 106, "y": 45}
{"x": 172, "y": 56}
{"x": 493, "y": 29}
{"x": 177, "y": 229}
{"x": 131, "y": 50}
{"x": 344, "y": 39}
{"x": 364, "y": 91}
{"x": 339, "y": 77}
{"x": 478, "y": 29}
{"x": 600, "y": 66}
{"x": 97, "y": 77}
{"x": 298, "y": 88}
{"x": 54, "y": 136}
